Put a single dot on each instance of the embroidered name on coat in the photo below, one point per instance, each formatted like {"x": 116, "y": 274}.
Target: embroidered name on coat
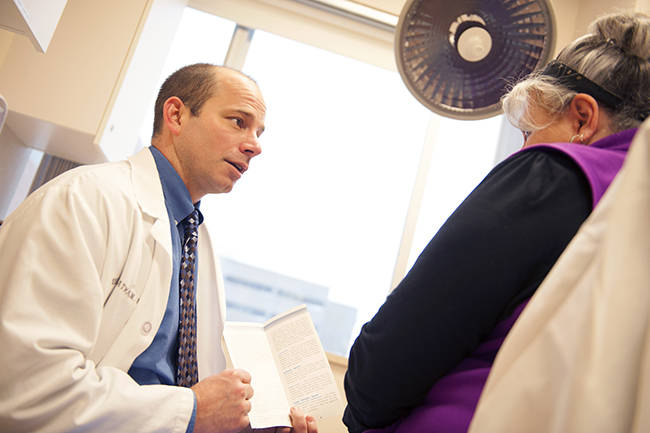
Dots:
{"x": 128, "y": 292}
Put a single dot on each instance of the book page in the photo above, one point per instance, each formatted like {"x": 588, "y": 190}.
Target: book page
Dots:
{"x": 302, "y": 363}
{"x": 249, "y": 350}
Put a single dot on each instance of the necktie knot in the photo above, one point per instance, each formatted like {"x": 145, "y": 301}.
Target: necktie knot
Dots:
{"x": 192, "y": 223}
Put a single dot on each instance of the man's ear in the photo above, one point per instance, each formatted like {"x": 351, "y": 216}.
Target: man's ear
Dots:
{"x": 584, "y": 114}
{"x": 172, "y": 114}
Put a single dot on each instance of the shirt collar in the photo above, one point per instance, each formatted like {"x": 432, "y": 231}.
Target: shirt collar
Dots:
{"x": 177, "y": 197}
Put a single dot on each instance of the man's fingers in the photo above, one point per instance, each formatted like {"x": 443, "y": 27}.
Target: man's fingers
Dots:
{"x": 296, "y": 416}
{"x": 243, "y": 375}
{"x": 223, "y": 402}
{"x": 247, "y": 407}
{"x": 301, "y": 423}
{"x": 312, "y": 427}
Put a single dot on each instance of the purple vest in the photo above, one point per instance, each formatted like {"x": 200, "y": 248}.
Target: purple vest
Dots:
{"x": 599, "y": 161}
{"x": 451, "y": 402}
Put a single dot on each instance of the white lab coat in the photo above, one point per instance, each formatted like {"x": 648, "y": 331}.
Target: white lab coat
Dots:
{"x": 85, "y": 271}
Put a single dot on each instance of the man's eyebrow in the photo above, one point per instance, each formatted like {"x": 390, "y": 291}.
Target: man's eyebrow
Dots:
{"x": 244, "y": 113}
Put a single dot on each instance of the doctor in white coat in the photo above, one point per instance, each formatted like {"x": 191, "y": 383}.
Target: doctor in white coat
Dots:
{"x": 85, "y": 273}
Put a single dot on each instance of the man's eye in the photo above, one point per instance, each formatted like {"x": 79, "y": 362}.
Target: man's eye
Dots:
{"x": 238, "y": 121}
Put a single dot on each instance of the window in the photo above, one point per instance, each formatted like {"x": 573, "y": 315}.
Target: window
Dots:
{"x": 319, "y": 217}
{"x": 463, "y": 155}
{"x": 325, "y": 203}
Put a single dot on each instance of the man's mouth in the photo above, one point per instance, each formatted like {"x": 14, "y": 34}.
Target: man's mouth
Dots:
{"x": 240, "y": 167}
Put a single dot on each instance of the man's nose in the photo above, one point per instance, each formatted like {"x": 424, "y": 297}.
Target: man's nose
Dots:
{"x": 252, "y": 146}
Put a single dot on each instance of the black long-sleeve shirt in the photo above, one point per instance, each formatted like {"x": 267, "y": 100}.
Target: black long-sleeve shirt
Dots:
{"x": 490, "y": 255}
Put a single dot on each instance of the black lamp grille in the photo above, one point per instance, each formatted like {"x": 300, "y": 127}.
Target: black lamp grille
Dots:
{"x": 522, "y": 33}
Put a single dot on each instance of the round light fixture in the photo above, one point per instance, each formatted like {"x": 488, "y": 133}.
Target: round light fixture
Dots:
{"x": 457, "y": 56}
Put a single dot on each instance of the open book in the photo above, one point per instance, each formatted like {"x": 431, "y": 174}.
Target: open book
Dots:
{"x": 288, "y": 367}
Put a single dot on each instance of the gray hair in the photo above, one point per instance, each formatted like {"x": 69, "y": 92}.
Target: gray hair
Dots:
{"x": 613, "y": 55}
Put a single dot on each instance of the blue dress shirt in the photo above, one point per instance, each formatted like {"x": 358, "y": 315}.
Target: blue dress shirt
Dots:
{"x": 157, "y": 364}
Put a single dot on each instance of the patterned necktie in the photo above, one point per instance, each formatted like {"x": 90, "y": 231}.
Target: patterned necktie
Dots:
{"x": 187, "y": 372}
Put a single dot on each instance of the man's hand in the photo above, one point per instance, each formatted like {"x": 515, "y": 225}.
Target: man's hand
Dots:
{"x": 300, "y": 423}
{"x": 222, "y": 402}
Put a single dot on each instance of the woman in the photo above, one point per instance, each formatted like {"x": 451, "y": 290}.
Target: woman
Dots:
{"x": 421, "y": 362}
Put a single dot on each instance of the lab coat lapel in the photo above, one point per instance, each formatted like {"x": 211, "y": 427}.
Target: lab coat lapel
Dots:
{"x": 148, "y": 267}
{"x": 149, "y": 194}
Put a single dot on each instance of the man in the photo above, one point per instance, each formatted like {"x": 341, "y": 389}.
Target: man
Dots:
{"x": 90, "y": 270}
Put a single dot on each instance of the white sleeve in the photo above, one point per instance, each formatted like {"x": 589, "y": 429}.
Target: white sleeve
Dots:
{"x": 51, "y": 299}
